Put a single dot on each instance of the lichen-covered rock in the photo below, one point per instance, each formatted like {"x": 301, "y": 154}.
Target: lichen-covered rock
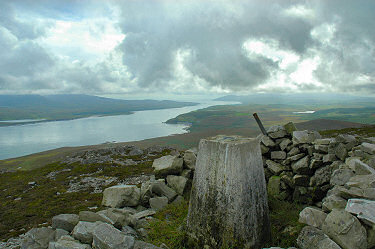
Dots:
{"x": 276, "y": 131}
{"x": 92, "y": 217}
{"x": 313, "y": 238}
{"x": 38, "y": 238}
{"x": 364, "y": 209}
{"x": 161, "y": 189}
{"x": 368, "y": 148}
{"x": 323, "y": 175}
{"x": 65, "y": 221}
{"x": 312, "y": 217}
{"x": 361, "y": 181}
{"x": 177, "y": 183}
{"x": 267, "y": 141}
{"x": 273, "y": 187}
{"x": 302, "y": 166}
{"x": 274, "y": 167}
{"x": 106, "y": 236}
{"x": 341, "y": 152}
{"x": 146, "y": 192}
{"x": 67, "y": 242}
{"x": 118, "y": 217}
{"x": 305, "y": 137}
{"x": 345, "y": 230}
{"x": 189, "y": 159}
{"x": 83, "y": 231}
{"x": 290, "y": 127}
{"x": 341, "y": 176}
{"x": 329, "y": 158}
{"x": 278, "y": 155}
{"x": 121, "y": 195}
{"x": 168, "y": 165}
{"x": 359, "y": 167}
{"x": 284, "y": 143}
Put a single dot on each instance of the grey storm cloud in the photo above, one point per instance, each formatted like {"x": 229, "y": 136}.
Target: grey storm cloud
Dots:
{"x": 208, "y": 34}
{"x": 214, "y": 31}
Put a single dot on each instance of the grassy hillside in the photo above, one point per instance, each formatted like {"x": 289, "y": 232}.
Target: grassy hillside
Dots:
{"x": 240, "y": 116}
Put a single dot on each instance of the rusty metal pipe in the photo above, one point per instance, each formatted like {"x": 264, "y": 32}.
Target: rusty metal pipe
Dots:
{"x": 261, "y": 127}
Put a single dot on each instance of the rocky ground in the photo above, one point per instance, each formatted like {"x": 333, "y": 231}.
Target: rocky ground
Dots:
{"x": 129, "y": 205}
{"x": 333, "y": 177}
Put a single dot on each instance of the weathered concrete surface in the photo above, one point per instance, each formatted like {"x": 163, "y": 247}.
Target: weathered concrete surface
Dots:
{"x": 228, "y": 204}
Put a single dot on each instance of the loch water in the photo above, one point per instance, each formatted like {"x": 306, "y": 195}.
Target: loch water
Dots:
{"x": 20, "y": 140}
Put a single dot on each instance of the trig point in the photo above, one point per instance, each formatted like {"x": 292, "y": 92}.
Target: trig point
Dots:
{"x": 228, "y": 204}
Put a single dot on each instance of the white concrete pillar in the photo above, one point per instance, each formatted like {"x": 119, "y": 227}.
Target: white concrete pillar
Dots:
{"x": 228, "y": 203}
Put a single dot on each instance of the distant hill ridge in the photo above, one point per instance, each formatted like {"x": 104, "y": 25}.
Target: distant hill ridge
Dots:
{"x": 68, "y": 106}
{"x": 295, "y": 98}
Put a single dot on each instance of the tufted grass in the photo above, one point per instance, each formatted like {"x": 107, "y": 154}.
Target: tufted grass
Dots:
{"x": 168, "y": 227}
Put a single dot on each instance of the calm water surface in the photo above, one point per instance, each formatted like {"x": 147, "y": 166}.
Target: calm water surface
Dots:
{"x": 22, "y": 140}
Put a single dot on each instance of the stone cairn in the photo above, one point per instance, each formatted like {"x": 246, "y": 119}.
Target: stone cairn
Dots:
{"x": 228, "y": 202}
{"x": 123, "y": 224}
{"x": 334, "y": 176}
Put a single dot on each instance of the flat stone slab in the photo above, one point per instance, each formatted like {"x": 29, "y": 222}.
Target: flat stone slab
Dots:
{"x": 106, "y": 236}
{"x": 144, "y": 213}
{"x": 121, "y": 195}
{"x": 364, "y": 209}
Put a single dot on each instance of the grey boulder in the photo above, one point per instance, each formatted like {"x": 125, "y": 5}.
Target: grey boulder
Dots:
{"x": 38, "y": 238}
{"x": 313, "y": 238}
{"x": 177, "y": 183}
{"x": 168, "y": 165}
{"x": 67, "y": 242}
{"x": 305, "y": 137}
{"x": 83, "y": 231}
{"x": 189, "y": 159}
{"x": 312, "y": 217}
{"x": 121, "y": 195}
{"x": 345, "y": 230}
{"x": 106, "y": 236}
{"x": 65, "y": 221}
{"x": 161, "y": 189}
{"x": 364, "y": 209}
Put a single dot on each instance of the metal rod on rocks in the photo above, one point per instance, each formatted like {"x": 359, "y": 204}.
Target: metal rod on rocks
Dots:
{"x": 261, "y": 127}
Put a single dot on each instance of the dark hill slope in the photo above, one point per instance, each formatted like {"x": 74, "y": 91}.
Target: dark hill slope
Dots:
{"x": 69, "y": 106}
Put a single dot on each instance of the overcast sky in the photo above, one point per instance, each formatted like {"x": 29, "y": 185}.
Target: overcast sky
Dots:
{"x": 186, "y": 47}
